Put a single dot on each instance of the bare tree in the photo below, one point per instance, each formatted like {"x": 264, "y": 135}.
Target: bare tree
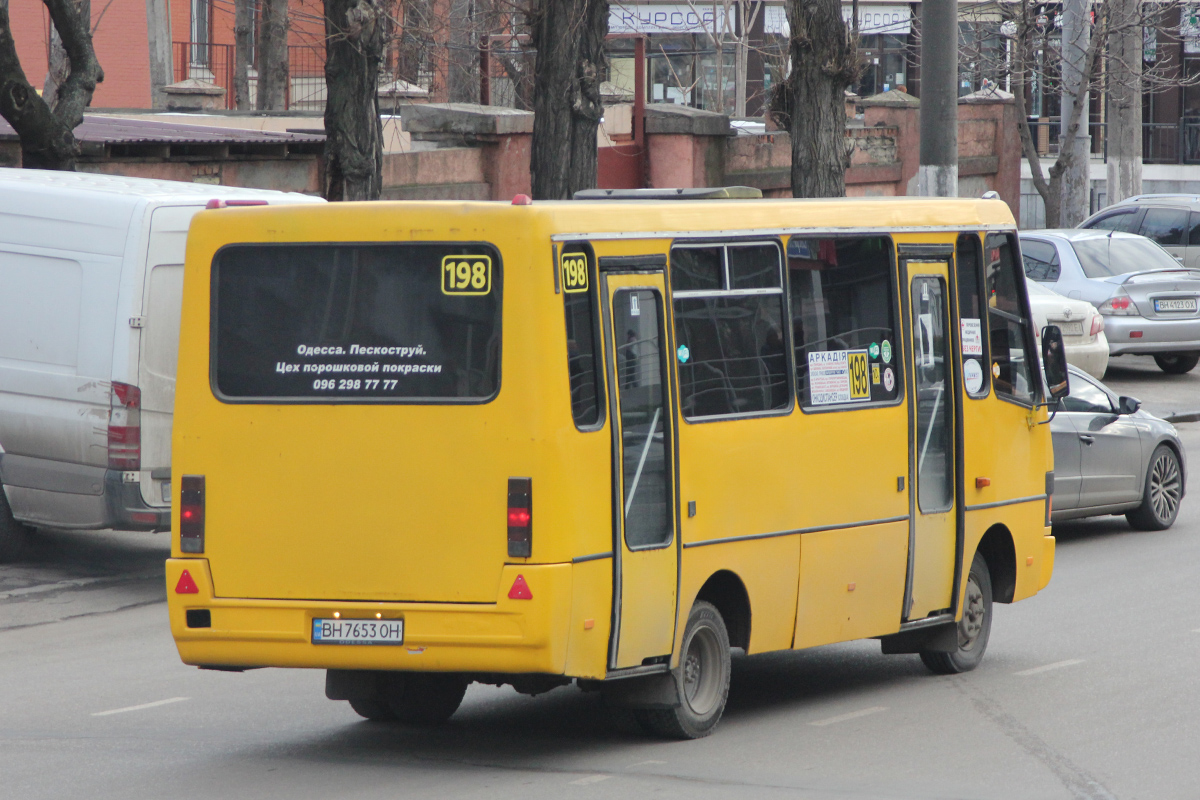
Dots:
{"x": 46, "y": 128}
{"x": 243, "y": 52}
{"x": 273, "y": 55}
{"x": 825, "y": 62}
{"x": 1125, "y": 54}
{"x": 569, "y": 38}
{"x": 354, "y": 48}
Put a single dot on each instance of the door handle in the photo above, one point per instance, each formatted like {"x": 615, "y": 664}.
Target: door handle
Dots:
{"x": 1083, "y": 437}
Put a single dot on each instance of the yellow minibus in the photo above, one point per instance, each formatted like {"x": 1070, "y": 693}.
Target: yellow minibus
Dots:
{"x": 420, "y": 444}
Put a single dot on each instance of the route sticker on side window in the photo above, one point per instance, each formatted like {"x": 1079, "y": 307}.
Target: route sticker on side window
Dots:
{"x": 467, "y": 275}
{"x": 574, "y": 272}
{"x": 838, "y": 376}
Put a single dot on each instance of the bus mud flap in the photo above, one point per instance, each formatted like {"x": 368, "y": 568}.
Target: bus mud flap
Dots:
{"x": 933, "y": 639}
{"x": 647, "y": 691}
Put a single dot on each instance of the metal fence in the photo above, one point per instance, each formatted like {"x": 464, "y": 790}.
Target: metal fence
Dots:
{"x": 214, "y": 63}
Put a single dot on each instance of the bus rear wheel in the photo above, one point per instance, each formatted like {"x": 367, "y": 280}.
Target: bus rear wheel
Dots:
{"x": 973, "y": 629}
{"x": 374, "y": 710}
{"x": 424, "y": 698}
{"x": 702, "y": 677}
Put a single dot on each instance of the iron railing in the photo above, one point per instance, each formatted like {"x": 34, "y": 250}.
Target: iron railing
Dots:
{"x": 214, "y": 63}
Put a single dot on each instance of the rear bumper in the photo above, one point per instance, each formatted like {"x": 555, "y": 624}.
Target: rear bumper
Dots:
{"x": 1091, "y": 358}
{"x": 56, "y": 494}
{"x": 1158, "y": 335}
{"x": 509, "y": 636}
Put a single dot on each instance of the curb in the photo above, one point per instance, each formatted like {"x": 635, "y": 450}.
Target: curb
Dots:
{"x": 1183, "y": 416}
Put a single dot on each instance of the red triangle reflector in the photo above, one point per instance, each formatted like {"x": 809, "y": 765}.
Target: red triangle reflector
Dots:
{"x": 520, "y": 590}
{"x": 188, "y": 586}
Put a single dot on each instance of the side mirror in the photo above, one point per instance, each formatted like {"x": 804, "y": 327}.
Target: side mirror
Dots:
{"x": 1054, "y": 361}
{"x": 1128, "y": 405}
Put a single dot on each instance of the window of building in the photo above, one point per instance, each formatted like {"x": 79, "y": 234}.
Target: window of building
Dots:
{"x": 578, "y": 281}
{"x": 1013, "y": 362}
{"x": 201, "y": 32}
{"x": 844, "y": 321}
{"x": 729, "y": 335}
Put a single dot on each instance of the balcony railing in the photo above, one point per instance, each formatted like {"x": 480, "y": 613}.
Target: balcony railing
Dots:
{"x": 214, "y": 63}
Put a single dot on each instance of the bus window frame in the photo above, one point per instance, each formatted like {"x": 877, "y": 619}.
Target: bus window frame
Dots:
{"x": 1026, "y": 323}
{"x": 897, "y": 325}
{"x": 593, "y": 291}
{"x": 214, "y": 316}
{"x": 785, "y": 308}
{"x": 986, "y": 359}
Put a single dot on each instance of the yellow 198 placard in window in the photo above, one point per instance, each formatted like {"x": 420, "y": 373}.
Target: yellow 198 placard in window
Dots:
{"x": 574, "y": 272}
{"x": 466, "y": 274}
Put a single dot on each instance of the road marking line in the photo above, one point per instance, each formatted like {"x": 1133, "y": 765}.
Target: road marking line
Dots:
{"x": 74, "y": 583}
{"x": 644, "y": 763}
{"x": 1070, "y": 662}
{"x": 591, "y": 779}
{"x": 852, "y": 715}
{"x": 142, "y": 706}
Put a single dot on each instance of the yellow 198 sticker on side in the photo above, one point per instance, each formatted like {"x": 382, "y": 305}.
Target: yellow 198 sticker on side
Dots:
{"x": 574, "y": 272}
{"x": 860, "y": 386}
{"x": 466, "y": 275}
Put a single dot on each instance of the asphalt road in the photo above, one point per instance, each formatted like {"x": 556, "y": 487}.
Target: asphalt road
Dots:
{"x": 1087, "y": 691}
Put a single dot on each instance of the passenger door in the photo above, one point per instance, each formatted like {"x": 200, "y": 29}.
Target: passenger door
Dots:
{"x": 1067, "y": 464}
{"x": 1168, "y": 227}
{"x": 933, "y": 461}
{"x": 646, "y": 545}
{"x": 1110, "y": 447}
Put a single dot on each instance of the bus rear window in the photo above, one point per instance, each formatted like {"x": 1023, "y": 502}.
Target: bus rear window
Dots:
{"x": 356, "y": 323}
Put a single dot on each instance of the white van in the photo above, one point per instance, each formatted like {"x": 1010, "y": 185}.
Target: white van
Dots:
{"x": 91, "y": 278}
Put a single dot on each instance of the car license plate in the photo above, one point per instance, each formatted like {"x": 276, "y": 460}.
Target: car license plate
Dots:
{"x": 1179, "y": 304}
{"x": 166, "y": 491}
{"x": 358, "y": 631}
{"x": 1069, "y": 328}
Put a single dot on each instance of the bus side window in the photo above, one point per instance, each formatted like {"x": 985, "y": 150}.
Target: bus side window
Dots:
{"x": 729, "y": 335}
{"x": 843, "y": 321}
{"x": 1012, "y": 361}
{"x": 577, "y": 273}
{"x": 971, "y": 311}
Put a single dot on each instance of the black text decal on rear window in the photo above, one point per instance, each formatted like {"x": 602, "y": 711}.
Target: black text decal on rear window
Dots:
{"x": 356, "y": 323}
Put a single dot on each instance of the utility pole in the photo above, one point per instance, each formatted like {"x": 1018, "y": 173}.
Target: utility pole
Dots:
{"x": 938, "y": 172}
{"x": 158, "y": 31}
{"x": 1126, "y": 46}
{"x": 1076, "y": 182}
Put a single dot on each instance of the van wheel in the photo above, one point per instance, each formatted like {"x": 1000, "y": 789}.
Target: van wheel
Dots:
{"x": 973, "y": 629}
{"x": 374, "y": 710}
{"x": 424, "y": 698}
{"x": 1177, "y": 363}
{"x": 702, "y": 677}
{"x": 1161, "y": 494}
{"x": 13, "y": 535}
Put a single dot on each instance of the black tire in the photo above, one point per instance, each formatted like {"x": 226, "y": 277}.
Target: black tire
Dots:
{"x": 702, "y": 677}
{"x": 1160, "y": 494}
{"x": 14, "y": 536}
{"x": 1177, "y": 363}
{"x": 974, "y": 628}
{"x": 424, "y": 698}
{"x": 374, "y": 710}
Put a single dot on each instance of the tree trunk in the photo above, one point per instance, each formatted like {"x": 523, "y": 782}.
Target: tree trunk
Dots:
{"x": 158, "y": 38}
{"x": 354, "y": 42}
{"x": 1125, "y": 101}
{"x": 59, "y": 62}
{"x": 569, "y": 37}
{"x": 243, "y": 46}
{"x": 823, "y": 65}
{"x": 273, "y": 56}
{"x": 1074, "y": 142}
{"x": 47, "y": 141}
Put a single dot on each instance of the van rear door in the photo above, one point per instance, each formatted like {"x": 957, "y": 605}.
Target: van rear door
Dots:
{"x": 162, "y": 297}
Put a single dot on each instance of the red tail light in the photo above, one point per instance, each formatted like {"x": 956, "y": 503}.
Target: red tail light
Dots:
{"x": 125, "y": 427}
{"x": 520, "y": 517}
{"x": 1097, "y": 325}
{"x": 191, "y": 514}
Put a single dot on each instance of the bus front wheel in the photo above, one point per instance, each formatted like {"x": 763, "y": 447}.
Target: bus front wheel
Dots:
{"x": 973, "y": 629}
{"x": 702, "y": 677}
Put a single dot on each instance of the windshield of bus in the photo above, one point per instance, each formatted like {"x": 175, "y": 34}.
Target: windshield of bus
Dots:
{"x": 356, "y": 323}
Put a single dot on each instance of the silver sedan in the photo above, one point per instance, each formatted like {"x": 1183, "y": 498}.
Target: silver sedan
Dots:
{"x": 1111, "y": 457}
{"x": 1150, "y": 302}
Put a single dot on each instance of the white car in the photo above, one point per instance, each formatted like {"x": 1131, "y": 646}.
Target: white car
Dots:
{"x": 1082, "y": 327}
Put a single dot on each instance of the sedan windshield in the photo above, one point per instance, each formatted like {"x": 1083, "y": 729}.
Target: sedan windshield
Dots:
{"x": 1108, "y": 255}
